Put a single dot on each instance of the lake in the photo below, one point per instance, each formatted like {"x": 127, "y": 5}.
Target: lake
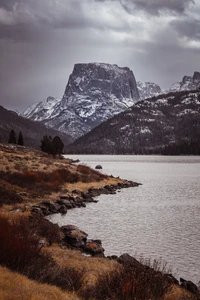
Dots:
{"x": 159, "y": 219}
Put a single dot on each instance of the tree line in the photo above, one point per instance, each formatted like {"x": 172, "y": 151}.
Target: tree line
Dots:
{"x": 13, "y": 140}
{"x": 53, "y": 146}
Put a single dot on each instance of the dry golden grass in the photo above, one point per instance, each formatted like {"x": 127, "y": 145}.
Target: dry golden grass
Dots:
{"x": 16, "y": 158}
{"x": 177, "y": 293}
{"x": 89, "y": 268}
{"x": 93, "y": 266}
{"x": 84, "y": 186}
{"x": 14, "y": 286}
{"x": 30, "y": 168}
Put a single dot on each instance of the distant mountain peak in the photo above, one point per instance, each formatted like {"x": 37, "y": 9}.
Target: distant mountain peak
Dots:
{"x": 148, "y": 89}
{"x": 196, "y": 76}
{"x": 187, "y": 83}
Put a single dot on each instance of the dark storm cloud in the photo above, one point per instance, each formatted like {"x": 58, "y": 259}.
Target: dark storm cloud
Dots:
{"x": 27, "y": 20}
{"x": 7, "y": 4}
{"x": 154, "y": 6}
{"x": 20, "y": 33}
{"x": 187, "y": 28}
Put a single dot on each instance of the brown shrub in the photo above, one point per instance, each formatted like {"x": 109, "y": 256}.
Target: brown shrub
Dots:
{"x": 128, "y": 282}
{"x": 88, "y": 175}
{"x": 40, "y": 182}
{"x": 45, "y": 229}
{"x": 9, "y": 197}
{"x": 19, "y": 246}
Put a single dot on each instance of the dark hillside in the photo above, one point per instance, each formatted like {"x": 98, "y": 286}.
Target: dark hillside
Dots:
{"x": 32, "y": 131}
{"x": 166, "y": 124}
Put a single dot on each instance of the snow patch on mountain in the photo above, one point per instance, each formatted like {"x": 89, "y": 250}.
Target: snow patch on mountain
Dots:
{"x": 188, "y": 83}
{"x": 148, "y": 89}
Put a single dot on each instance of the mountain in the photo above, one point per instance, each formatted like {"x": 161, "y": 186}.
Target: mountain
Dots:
{"x": 32, "y": 131}
{"x": 94, "y": 93}
{"x": 187, "y": 83}
{"x": 150, "y": 126}
{"x": 148, "y": 89}
{"x": 42, "y": 110}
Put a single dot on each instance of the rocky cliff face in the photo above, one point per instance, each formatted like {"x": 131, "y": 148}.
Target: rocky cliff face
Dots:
{"x": 148, "y": 89}
{"x": 187, "y": 83}
{"x": 95, "y": 92}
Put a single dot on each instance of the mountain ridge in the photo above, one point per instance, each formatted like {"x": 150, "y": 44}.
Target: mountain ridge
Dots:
{"x": 147, "y": 127}
{"x": 32, "y": 131}
{"x": 187, "y": 83}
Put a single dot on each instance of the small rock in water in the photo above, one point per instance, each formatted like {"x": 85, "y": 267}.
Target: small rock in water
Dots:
{"x": 99, "y": 167}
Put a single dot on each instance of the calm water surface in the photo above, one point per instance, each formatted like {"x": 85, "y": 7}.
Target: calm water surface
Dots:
{"x": 159, "y": 219}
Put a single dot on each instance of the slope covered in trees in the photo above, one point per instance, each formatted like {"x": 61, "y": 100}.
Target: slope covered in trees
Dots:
{"x": 32, "y": 131}
{"x": 166, "y": 124}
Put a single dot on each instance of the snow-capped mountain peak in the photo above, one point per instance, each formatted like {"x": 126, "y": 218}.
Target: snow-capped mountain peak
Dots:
{"x": 148, "y": 89}
{"x": 187, "y": 83}
{"x": 94, "y": 93}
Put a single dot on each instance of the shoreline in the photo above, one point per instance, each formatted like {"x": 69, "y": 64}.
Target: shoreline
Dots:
{"x": 33, "y": 187}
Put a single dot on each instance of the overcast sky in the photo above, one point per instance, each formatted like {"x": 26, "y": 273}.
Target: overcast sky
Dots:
{"x": 41, "y": 40}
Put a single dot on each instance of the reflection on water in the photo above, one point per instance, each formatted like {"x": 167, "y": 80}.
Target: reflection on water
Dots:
{"x": 161, "y": 218}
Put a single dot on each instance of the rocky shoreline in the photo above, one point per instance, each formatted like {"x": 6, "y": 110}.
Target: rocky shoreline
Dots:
{"x": 77, "y": 199}
{"x": 75, "y": 238}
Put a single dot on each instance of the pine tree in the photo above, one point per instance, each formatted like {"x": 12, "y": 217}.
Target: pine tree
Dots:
{"x": 12, "y": 138}
{"x": 20, "y": 139}
{"x": 57, "y": 145}
{"x": 46, "y": 144}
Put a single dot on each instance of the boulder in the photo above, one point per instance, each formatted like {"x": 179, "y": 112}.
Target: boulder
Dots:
{"x": 87, "y": 198}
{"x": 51, "y": 206}
{"x": 189, "y": 285}
{"x": 126, "y": 259}
{"x": 98, "y": 167}
{"x": 94, "y": 248}
{"x": 73, "y": 236}
{"x": 170, "y": 278}
{"x": 36, "y": 210}
{"x": 63, "y": 209}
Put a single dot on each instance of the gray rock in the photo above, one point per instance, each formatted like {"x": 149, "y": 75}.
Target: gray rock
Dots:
{"x": 98, "y": 167}
{"x": 94, "y": 248}
{"x": 63, "y": 209}
{"x": 73, "y": 236}
{"x": 126, "y": 259}
{"x": 189, "y": 285}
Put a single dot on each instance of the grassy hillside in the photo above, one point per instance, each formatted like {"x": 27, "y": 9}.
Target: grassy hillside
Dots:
{"x": 35, "y": 264}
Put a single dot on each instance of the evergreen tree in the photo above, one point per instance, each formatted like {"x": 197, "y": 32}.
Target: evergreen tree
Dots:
{"x": 20, "y": 139}
{"x": 12, "y": 138}
{"x": 46, "y": 144}
{"x": 57, "y": 145}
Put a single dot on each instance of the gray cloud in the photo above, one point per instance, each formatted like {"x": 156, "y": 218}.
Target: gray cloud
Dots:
{"x": 154, "y": 7}
{"x": 40, "y": 41}
{"x": 32, "y": 20}
{"x": 189, "y": 28}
